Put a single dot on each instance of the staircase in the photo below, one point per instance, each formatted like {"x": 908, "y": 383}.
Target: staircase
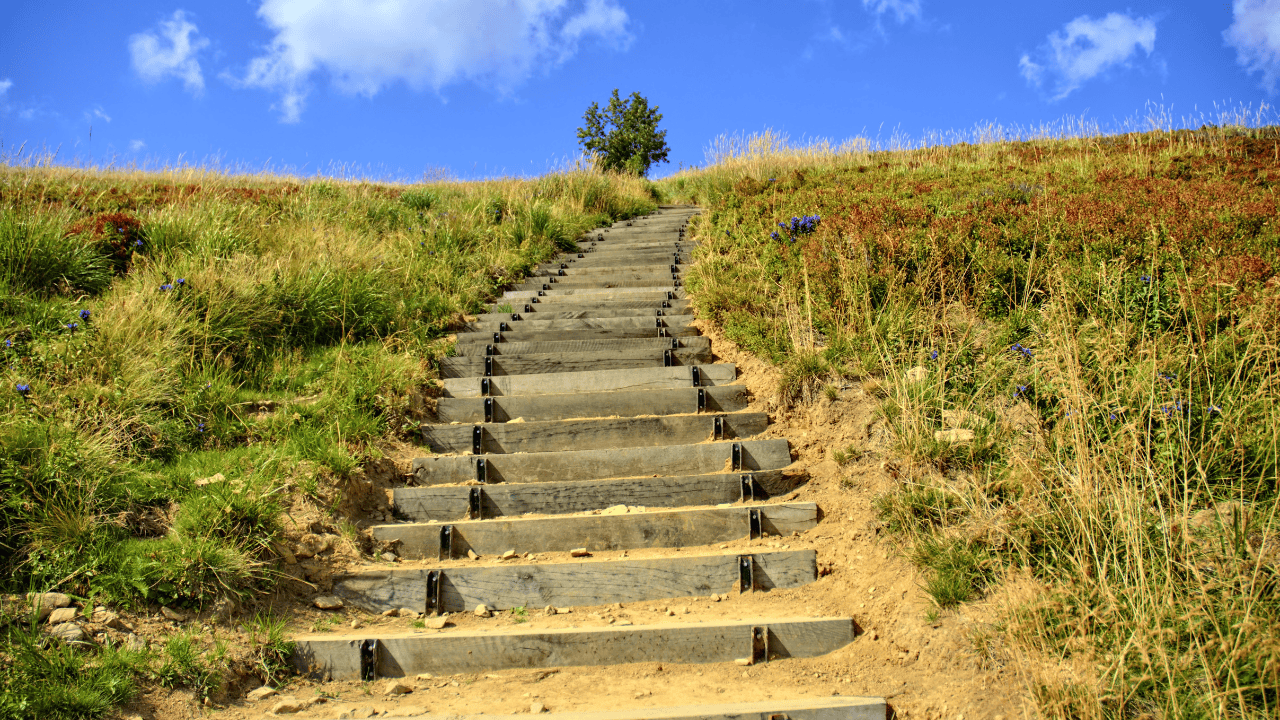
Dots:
{"x": 587, "y": 399}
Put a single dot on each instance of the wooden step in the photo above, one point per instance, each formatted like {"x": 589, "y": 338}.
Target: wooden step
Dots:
{"x": 700, "y": 459}
{"x": 338, "y": 657}
{"x": 587, "y": 581}
{"x": 660, "y": 292}
{"x": 591, "y": 434}
{"x": 592, "y": 381}
{"x": 455, "y": 502}
{"x": 537, "y": 324}
{"x": 597, "y": 533}
{"x": 498, "y": 365}
{"x": 577, "y": 346}
{"x": 605, "y": 282}
{"x": 629, "y": 258}
{"x": 517, "y": 335}
{"x": 673, "y": 307}
{"x": 531, "y": 312}
{"x": 824, "y": 708}
{"x": 659, "y": 268}
{"x": 533, "y": 408}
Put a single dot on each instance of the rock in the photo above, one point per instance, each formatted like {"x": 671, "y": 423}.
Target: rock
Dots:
{"x": 436, "y": 623}
{"x": 563, "y": 611}
{"x": 389, "y": 556}
{"x": 549, "y": 610}
{"x": 171, "y": 614}
{"x": 310, "y": 545}
{"x": 614, "y": 510}
{"x": 288, "y": 704}
{"x": 223, "y": 610}
{"x": 133, "y": 643}
{"x": 472, "y": 554}
{"x": 364, "y": 712}
{"x": 744, "y": 661}
{"x": 508, "y": 555}
{"x": 917, "y": 374}
{"x": 102, "y": 616}
{"x": 261, "y": 693}
{"x": 954, "y": 435}
{"x": 215, "y": 478}
{"x": 483, "y": 611}
{"x": 328, "y": 602}
{"x": 390, "y": 613}
{"x": 356, "y": 624}
{"x": 407, "y": 613}
{"x": 684, "y": 610}
{"x": 536, "y": 708}
{"x": 396, "y": 687}
{"x": 69, "y": 632}
{"x": 579, "y": 552}
{"x": 285, "y": 553}
{"x": 45, "y": 603}
{"x": 426, "y": 676}
{"x": 63, "y": 615}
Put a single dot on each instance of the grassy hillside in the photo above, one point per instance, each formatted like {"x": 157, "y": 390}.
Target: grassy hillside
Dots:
{"x": 146, "y": 323}
{"x": 1077, "y": 345}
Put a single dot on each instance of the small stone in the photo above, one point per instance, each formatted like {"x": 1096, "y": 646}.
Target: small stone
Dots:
{"x": 508, "y": 555}
{"x": 563, "y": 611}
{"x": 328, "y": 602}
{"x": 954, "y": 435}
{"x": 391, "y": 612}
{"x": 261, "y": 693}
{"x": 744, "y": 661}
{"x": 287, "y": 705}
{"x": 356, "y": 624}
{"x": 223, "y": 610}
{"x": 68, "y": 632}
{"x": 671, "y": 613}
{"x": 622, "y": 623}
{"x": 310, "y": 545}
{"x": 614, "y": 510}
{"x": 63, "y": 615}
{"x": 389, "y": 556}
{"x": 579, "y": 552}
{"x": 216, "y": 478}
{"x": 436, "y": 623}
{"x": 102, "y": 616}
{"x": 407, "y": 613}
{"x": 684, "y": 610}
{"x": 549, "y": 610}
{"x": 45, "y": 603}
{"x": 285, "y": 553}
{"x": 364, "y": 712}
{"x": 171, "y": 614}
{"x": 133, "y": 643}
{"x": 917, "y": 374}
{"x": 483, "y": 611}
{"x": 396, "y": 687}
{"x": 472, "y": 554}
{"x": 536, "y": 708}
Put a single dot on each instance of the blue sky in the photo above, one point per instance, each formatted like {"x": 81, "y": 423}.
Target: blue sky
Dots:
{"x": 398, "y": 88}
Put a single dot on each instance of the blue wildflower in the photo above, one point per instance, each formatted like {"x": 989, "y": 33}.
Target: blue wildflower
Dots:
{"x": 181, "y": 281}
{"x": 773, "y": 179}
{"x": 84, "y": 314}
{"x": 138, "y": 242}
{"x": 933, "y": 355}
{"x": 200, "y": 428}
{"x": 166, "y": 287}
{"x": 23, "y": 389}
{"x": 72, "y": 326}
{"x": 8, "y": 343}
{"x": 1145, "y": 278}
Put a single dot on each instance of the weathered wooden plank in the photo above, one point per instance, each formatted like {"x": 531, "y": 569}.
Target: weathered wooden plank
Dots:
{"x": 657, "y": 268}
{"x": 591, "y": 434}
{"x": 638, "y": 296}
{"x": 407, "y": 654}
{"x": 537, "y": 324}
{"x": 625, "y": 259}
{"x": 606, "y": 282}
{"x": 474, "y": 366}
{"x": 576, "y": 346}
{"x": 673, "y": 307}
{"x": 701, "y": 459}
{"x": 596, "y": 294}
{"x": 620, "y": 403}
{"x": 452, "y": 502}
{"x": 584, "y": 582}
{"x": 467, "y": 338}
{"x": 630, "y": 531}
{"x": 826, "y": 708}
{"x": 593, "y": 381}
{"x": 522, "y": 312}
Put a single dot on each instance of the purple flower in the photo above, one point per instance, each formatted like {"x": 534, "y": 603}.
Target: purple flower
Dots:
{"x": 84, "y": 314}
{"x": 933, "y": 355}
{"x": 23, "y": 389}
{"x": 182, "y": 281}
{"x": 166, "y": 287}
{"x": 72, "y": 326}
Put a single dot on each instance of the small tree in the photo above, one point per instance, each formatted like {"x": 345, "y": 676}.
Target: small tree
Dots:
{"x": 625, "y": 137}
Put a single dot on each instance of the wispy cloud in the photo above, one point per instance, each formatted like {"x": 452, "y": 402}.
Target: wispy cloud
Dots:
{"x": 4, "y": 87}
{"x": 136, "y": 145}
{"x": 170, "y": 50}
{"x": 902, "y": 10}
{"x": 97, "y": 113}
{"x": 1085, "y": 48}
{"x": 365, "y": 45}
{"x": 1255, "y": 34}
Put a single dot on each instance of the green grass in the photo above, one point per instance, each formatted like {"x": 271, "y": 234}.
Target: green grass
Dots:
{"x": 1102, "y": 314}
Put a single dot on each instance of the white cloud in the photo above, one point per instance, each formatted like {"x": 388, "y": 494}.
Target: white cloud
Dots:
{"x": 903, "y": 10}
{"x": 136, "y": 145}
{"x": 365, "y": 45}
{"x": 1085, "y": 48}
{"x": 1255, "y": 34}
{"x": 170, "y": 51}
{"x": 97, "y": 113}
{"x": 4, "y": 86}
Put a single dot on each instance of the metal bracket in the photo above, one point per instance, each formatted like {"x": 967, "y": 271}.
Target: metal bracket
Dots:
{"x": 696, "y": 373}
{"x": 503, "y": 327}
{"x": 433, "y": 590}
{"x": 515, "y": 316}
{"x": 675, "y": 281}
{"x": 702, "y": 399}
{"x": 760, "y": 650}
{"x": 446, "y": 542}
{"x": 662, "y": 332}
{"x": 666, "y": 304}
{"x": 547, "y": 285}
{"x": 667, "y": 359}
{"x": 670, "y": 296}
{"x": 532, "y": 299}
{"x": 748, "y": 483}
{"x": 488, "y": 410}
{"x": 488, "y": 365}
{"x": 717, "y": 427}
{"x": 561, "y": 272}
{"x": 482, "y": 471}
{"x": 475, "y": 503}
{"x": 528, "y": 308}
{"x": 736, "y": 451}
{"x": 497, "y": 338}
{"x": 746, "y": 574}
{"x": 564, "y": 266}
{"x": 581, "y": 255}
{"x": 755, "y": 524}
{"x": 490, "y": 350}
{"x": 675, "y": 269}
{"x": 541, "y": 293}
{"x": 477, "y": 440}
{"x": 485, "y": 387}
{"x": 368, "y": 660}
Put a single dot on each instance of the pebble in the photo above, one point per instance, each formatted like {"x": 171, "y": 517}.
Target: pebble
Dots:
{"x": 133, "y": 643}
{"x": 355, "y": 624}
{"x": 171, "y": 614}
{"x": 389, "y": 556}
{"x": 389, "y": 613}
{"x": 407, "y": 613}
{"x": 261, "y": 693}
{"x": 288, "y": 704}
{"x": 482, "y": 610}
{"x": 437, "y": 623}
{"x": 364, "y": 712}
{"x": 472, "y": 554}
{"x": 536, "y": 708}
{"x": 549, "y": 610}
{"x": 508, "y": 555}
{"x": 396, "y": 687}
{"x": 45, "y": 603}
{"x": 579, "y": 552}
{"x": 328, "y": 602}
{"x": 63, "y": 615}
{"x": 68, "y": 632}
